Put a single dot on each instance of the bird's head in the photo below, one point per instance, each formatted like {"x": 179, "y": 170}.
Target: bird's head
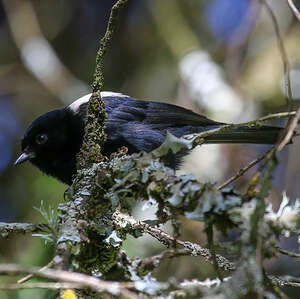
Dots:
{"x": 51, "y": 143}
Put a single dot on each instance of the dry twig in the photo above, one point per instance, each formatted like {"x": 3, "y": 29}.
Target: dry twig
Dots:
{"x": 290, "y": 132}
{"x": 283, "y": 54}
{"x": 81, "y": 280}
{"x": 29, "y": 276}
{"x": 164, "y": 238}
{"x": 294, "y": 9}
{"x": 152, "y": 262}
{"x": 243, "y": 170}
{"x": 40, "y": 285}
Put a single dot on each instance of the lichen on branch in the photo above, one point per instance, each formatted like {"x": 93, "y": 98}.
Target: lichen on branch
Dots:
{"x": 94, "y": 136}
{"x": 84, "y": 195}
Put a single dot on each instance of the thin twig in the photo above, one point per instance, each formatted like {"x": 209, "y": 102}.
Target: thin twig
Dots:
{"x": 276, "y": 116}
{"x": 284, "y": 57}
{"x": 194, "y": 249}
{"x": 84, "y": 280}
{"x": 149, "y": 263}
{"x": 42, "y": 285}
{"x": 271, "y": 154}
{"x": 29, "y": 276}
{"x": 243, "y": 170}
{"x": 290, "y": 133}
{"x": 271, "y": 157}
{"x": 283, "y": 140}
{"x": 288, "y": 253}
{"x": 198, "y": 137}
{"x": 294, "y": 9}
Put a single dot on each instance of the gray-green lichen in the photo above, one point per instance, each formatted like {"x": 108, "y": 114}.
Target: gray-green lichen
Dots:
{"x": 6, "y": 229}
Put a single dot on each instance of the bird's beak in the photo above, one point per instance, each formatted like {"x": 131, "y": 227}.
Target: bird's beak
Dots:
{"x": 25, "y": 156}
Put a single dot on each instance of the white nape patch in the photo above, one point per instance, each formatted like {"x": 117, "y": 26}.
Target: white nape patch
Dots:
{"x": 112, "y": 94}
{"x": 76, "y": 104}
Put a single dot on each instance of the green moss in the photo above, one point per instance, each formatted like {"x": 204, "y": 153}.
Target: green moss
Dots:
{"x": 96, "y": 256}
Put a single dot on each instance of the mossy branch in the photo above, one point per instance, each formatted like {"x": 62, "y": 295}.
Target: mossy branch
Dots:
{"x": 94, "y": 135}
{"x": 98, "y": 81}
{"x": 77, "y": 212}
{"x": 7, "y": 229}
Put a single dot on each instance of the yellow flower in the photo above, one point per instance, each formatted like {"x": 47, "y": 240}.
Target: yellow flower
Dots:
{"x": 68, "y": 294}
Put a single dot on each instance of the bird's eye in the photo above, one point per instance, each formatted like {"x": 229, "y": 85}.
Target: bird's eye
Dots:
{"x": 41, "y": 139}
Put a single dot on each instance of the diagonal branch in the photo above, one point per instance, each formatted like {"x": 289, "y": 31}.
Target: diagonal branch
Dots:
{"x": 290, "y": 132}
{"x": 128, "y": 223}
{"x": 148, "y": 264}
{"x": 283, "y": 54}
{"x": 243, "y": 170}
{"x": 294, "y": 9}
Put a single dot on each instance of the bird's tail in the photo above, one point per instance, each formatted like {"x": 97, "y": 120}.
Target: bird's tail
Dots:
{"x": 260, "y": 135}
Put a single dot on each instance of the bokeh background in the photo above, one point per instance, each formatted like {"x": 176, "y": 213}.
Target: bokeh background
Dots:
{"x": 218, "y": 57}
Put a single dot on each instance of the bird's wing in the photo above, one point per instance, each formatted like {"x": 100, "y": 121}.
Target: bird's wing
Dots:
{"x": 125, "y": 108}
{"x": 142, "y": 125}
{"x": 154, "y": 113}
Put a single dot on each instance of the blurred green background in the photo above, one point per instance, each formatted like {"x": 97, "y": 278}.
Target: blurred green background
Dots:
{"x": 216, "y": 57}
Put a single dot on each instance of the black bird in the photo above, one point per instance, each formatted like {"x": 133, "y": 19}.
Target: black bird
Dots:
{"x": 52, "y": 141}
